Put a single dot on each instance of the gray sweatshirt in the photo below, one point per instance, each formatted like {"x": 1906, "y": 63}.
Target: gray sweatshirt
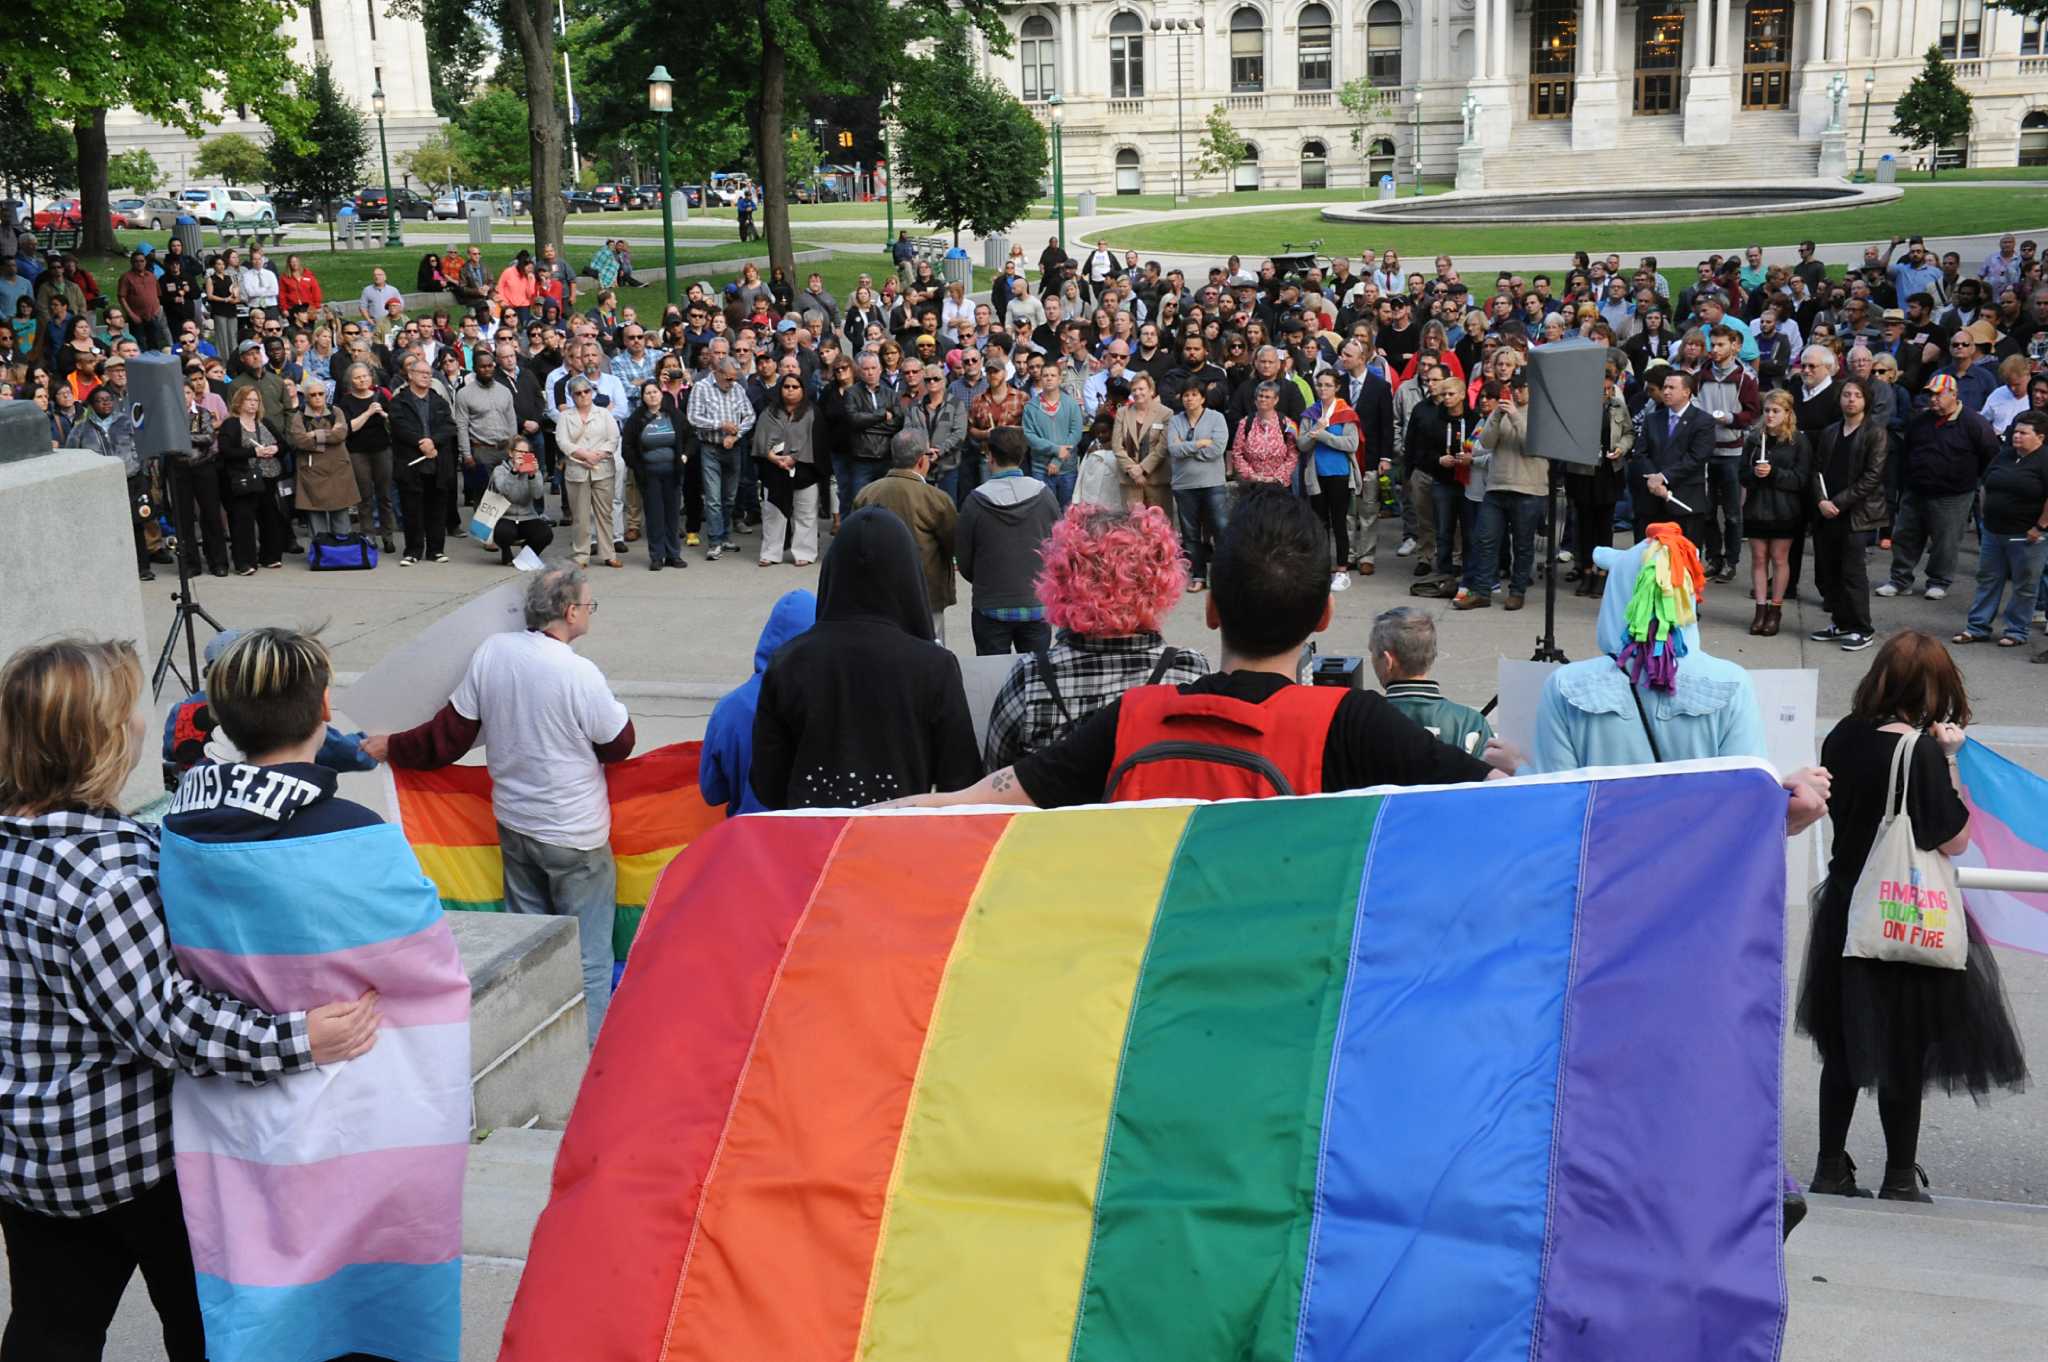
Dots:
{"x": 1196, "y": 468}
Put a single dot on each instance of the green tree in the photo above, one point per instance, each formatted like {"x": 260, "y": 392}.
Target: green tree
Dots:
{"x": 1221, "y": 150}
{"x": 970, "y": 153}
{"x": 70, "y": 63}
{"x": 1934, "y": 111}
{"x": 231, "y": 157}
{"x": 135, "y": 169}
{"x": 35, "y": 160}
{"x": 489, "y": 134}
{"x": 1368, "y": 110}
{"x": 437, "y": 162}
{"x": 804, "y": 154}
{"x": 326, "y": 164}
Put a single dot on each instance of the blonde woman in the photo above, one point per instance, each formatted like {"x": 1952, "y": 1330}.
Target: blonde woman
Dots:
{"x": 1777, "y": 463}
{"x": 100, "y": 1015}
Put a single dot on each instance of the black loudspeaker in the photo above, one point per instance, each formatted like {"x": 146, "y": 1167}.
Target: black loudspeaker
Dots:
{"x": 1567, "y": 401}
{"x": 157, "y": 405}
{"x": 1339, "y": 671}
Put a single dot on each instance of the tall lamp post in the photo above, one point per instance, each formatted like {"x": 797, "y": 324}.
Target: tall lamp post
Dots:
{"x": 1179, "y": 28}
{"x": 394, "y": 232}
{"x": 888, "y": 185}
{"x": 1863, "y": 142}
{"x": 1059, "y": 191}
{"x": 661, "y": 98}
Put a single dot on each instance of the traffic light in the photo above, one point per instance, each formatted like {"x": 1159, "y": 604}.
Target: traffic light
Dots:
{"x": 842, "y": 139}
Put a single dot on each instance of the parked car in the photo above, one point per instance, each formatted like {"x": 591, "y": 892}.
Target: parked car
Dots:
{"x": 370, "y": 202}
{"x": 156, "y": 212}
{"x": 213, "y": 204}
{"x": 645, "y": 196}
{"x": 299, "y": 208}
{"x": 693, "y": 194}
{"x": 611, "y": 198}
{"x": 577, "y": 201}
{"x": 69, "y": 213}
{"x": 448, "y": 205}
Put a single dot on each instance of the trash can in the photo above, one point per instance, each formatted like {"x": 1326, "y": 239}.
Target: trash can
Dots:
{"x": 679, "y": 205}
{"x": 1887, "y": 169}
{"x": 994, "y": 251}
{"x": 959, "y": 269}
{"x": 480, "y": 223}
{"x": 1386, "y": 186}
{"x": 187, "y": 231}
{"x": 1087, "y": 203}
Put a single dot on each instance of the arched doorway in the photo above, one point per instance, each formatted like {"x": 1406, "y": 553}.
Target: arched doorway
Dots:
{"x": 1553, "y": 58}
{"x": 1767, "y": 55}
{"x": 1130, "y": 177}
{"x": 1246, "y": 177}
{"x": 2034, "y": 139}
{"x": 1660, "y": 52}
{"x": 1379, "y": 159}
{"x": 1315, "y": 166}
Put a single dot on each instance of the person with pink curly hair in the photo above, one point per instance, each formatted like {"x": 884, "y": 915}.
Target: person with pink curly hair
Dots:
{"x": 1109, "y": 577}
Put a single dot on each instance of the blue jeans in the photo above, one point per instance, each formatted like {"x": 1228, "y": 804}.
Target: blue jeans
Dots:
{"x": 721, "y": 491}
{"x": 994, "y": 637}
{"x": 856, "y": 476}
{"x": 1507, "y": 520}
{"x": 1204, "y": 511}
{"x": 1934, "y": 524}
{"x": 2006, "y": 560}
{"x": 1723, "y": 511}
{"x": 1062, "y": 482}
{"x": 552, "y": 881}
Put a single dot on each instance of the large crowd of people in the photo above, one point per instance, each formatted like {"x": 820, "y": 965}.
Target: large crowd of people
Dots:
{"x": 1888, "y": 409}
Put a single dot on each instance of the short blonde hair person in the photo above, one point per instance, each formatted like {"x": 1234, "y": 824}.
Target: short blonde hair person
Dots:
{"x": 70, "y": 727}
{"x": 268, "y": 689}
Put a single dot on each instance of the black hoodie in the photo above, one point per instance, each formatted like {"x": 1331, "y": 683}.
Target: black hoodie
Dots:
{"x": 863, "y": 706}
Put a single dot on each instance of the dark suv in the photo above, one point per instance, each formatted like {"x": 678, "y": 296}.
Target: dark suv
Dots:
{"x": 370, "y": 202}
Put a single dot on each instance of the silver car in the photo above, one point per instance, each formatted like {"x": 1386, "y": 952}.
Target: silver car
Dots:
{"x": 153, "y": 212}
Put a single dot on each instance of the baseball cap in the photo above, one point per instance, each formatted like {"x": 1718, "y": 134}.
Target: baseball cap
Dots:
{"x": 786, "y": 324}
{"x": 1942, "y": 383}
{"x": 247, "y": 346}
{"x": 1893, "y": 314}
{"x": 218, "y": 644}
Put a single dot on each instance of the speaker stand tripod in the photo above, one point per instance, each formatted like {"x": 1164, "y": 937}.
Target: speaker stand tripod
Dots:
{"x": 1546, "y": 643}
{"x": 188, "y": 607}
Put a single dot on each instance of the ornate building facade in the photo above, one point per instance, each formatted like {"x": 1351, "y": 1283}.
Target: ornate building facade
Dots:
{"x": 364, "y": 44}
{"x": 1636, "y": 91}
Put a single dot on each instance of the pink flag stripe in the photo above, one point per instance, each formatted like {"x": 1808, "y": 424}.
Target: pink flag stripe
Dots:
{"x": 404, "y": 1206}
{"x": 2018, "y": 921}
{"x": 414, "y": 975}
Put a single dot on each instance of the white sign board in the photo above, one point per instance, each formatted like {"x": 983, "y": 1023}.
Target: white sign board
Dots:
{"x": 412, "y": 682}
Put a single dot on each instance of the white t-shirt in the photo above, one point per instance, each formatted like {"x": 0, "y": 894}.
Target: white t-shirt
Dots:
{"x": 543, "y": 710}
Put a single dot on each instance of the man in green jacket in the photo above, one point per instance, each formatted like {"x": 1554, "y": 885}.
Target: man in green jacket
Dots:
{"x": 1403, "y": 650}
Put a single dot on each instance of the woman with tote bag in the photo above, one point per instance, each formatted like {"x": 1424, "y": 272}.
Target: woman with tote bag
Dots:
{"x": 1888, "y": 1024}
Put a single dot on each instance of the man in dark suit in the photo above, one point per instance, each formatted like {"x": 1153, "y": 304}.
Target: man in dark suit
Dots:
{"x": 1670, "y": 465}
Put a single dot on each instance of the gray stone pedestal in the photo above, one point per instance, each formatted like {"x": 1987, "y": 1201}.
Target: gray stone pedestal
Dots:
{"x": 1471, "y": 168}
{"x": 1834, "y": 156}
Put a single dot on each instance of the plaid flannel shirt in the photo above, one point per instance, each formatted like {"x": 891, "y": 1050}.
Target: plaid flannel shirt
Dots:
{"x": 97, "y": 1016}
{"x": 1091, "y": 673}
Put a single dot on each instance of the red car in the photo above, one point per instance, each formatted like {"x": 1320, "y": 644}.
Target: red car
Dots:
{"x": 71, "y": 214}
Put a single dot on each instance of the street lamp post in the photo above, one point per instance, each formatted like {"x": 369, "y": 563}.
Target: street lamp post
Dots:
{"x": 1059, "y": 191}
{"x": 888, "y": 187}
{"x": 394, "y": 232}
{"x": 661, "y": 98}
{"x": 1179, "y": 28}
{"x": 1863, "y": 142}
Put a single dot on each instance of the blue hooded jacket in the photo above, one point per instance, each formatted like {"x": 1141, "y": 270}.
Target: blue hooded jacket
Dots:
{"x": 728, "y": 755}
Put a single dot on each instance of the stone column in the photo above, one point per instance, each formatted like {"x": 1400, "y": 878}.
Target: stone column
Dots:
{"x": 1502, "y": 9}
{"x": 1609, "y": 55}
{"x": 1595, "y": 110}
{"x": 1702, "y": 45}
{"x": 1724, "y": 26}
{"x": 1709, "y": 93}
{"x": 1582, "y": 53}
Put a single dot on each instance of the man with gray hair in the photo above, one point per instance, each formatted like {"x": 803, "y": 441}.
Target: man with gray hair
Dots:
{"x": 722, "y": 415}
{"x": 906, "y": 492}
{"x": 549, "y": 724}
{"x": 1403, "y": 651}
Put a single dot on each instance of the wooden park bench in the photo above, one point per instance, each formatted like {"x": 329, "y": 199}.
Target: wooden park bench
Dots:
{"x": 370, "y": 230}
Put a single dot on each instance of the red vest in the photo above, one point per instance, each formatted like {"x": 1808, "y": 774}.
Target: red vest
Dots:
{"x": 1175, "y": 746}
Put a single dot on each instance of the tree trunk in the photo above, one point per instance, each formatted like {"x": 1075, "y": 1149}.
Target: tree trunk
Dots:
{"x": 544, "y": 124}
{"x": 96, "y": 231}
{"x": 771, "y": 150}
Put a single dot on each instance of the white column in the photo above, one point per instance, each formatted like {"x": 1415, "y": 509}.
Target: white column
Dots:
{"x": 1482, "y": 39}
{"x": 1702, "y": 30}
{"x": 1609, "y": 55}
{"x": 1831, "y": 41}
{"x": 1501, "y": 11}
{"x": 1073, "y": 19}
{"x": 1724, "y": 47}
{"x": 1425, "y": 53}
{"x": 1583, "y": 53}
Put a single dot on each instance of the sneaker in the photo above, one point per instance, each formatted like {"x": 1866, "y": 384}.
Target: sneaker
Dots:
{"x": 407, "y": 561}
{"x": 2041, "y": 619}
{"x": 1856, "y": 643}
{"x": 711, "y": 554}
{"x": 1424, "y": 568}
{"x": 1340, "y": 581}
{"x": 1888, "y": 590}
{"x": 1564, "y": 555}
{"x": 1935, "y": 593}
{"x": 692, "y": 541}
{"x": 1407, "y": 548}
{"x": 1465, "y": 600}
{"x": 440, "y": 557}
{"x": 1828, "y": 635}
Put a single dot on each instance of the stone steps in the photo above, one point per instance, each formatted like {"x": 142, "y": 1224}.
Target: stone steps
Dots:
{"x": 1765, "y": 146}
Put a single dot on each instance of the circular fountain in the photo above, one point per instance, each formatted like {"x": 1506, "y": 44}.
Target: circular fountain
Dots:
{"x": 1635, "y": 203}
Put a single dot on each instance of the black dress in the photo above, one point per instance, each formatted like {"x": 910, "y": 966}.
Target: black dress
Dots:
{"x": 1878, "y": 1023}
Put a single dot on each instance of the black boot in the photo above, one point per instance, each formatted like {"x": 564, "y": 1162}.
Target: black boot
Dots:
{"x": 1905, "y": 1184}
{"x": 1835, "y": 1175}
{"x": 1795, "y": 1211}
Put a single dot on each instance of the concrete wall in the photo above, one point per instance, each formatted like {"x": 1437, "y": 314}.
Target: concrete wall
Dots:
{"x": 527, "y": 1036}
{"x": 67, "y": 556}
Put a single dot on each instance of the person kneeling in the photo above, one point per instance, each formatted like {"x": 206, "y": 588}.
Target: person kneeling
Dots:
{"x": 518, "y": 480}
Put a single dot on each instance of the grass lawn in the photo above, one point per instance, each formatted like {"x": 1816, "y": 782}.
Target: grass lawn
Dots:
{"x": 1981, "y": 173}
{"x": 1924, "y": 210}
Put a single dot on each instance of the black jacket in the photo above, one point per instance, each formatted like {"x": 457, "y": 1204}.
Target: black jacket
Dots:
{"x": 871, "y": 420}
{"x": 1212, "y": 379}
{"x": 1781, "y": 498}
{"x": 1432, "y": 433}
{"x": 1681, "y": 456}
{"x": 421, "y": 418}
{"x": 1849, "y": 471}
{"x": 629, "y": 434}
{"x": 1947, "y": 458}
{"x": 1242, "y": 397}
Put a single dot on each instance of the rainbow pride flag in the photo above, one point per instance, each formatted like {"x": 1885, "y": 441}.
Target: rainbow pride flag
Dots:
{"x": 324, "y": 1207}
{"x": 2008, "y": 831}
{"x": 656, "y": 812}
{"x": 1478, "y": 1073}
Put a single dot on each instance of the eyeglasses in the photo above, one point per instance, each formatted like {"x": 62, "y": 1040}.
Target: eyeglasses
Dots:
{"x": 589, "y": 607}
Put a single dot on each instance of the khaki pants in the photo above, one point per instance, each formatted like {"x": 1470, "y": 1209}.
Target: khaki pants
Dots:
{"x": 590, "y": 514}
{"x": 801, "y": 527}
{"x": 634, "y": 508}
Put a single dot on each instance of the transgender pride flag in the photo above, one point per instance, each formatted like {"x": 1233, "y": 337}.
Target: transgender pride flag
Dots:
{"x": 1482, "y": 1074}
{"x": 2008, "y": 831}
{"x": 325, "y": 1207}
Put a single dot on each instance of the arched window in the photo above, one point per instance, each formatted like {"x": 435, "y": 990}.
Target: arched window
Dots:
{"x": 1962, "y": 28}
{"x": 1040, "y": 55}
{"x": 1129, "y": 178}
{"x": 2034, "y": 139}
{"x": 1247, "y": 53}
{"x": 1126, "y": 57}
{"x": 1315, "y": 166}
{"x": 1314, "y": 69}
{"x": 1247, "y": 177}
{"x": 1383, "y": 43}
{"x": 1379, "y": 158}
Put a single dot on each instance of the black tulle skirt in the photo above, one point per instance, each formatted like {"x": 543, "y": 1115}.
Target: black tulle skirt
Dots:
{"x": 1904, "y": 1028}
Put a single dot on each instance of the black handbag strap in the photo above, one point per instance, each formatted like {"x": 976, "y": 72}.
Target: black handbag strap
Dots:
{"x": 1050, "y": 680}
{"x": 1642, "y": 714}
{"x": 1167, "y": 657}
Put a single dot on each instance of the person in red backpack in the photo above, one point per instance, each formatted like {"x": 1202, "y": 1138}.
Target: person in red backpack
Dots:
{"x": 1248, "y": 731}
